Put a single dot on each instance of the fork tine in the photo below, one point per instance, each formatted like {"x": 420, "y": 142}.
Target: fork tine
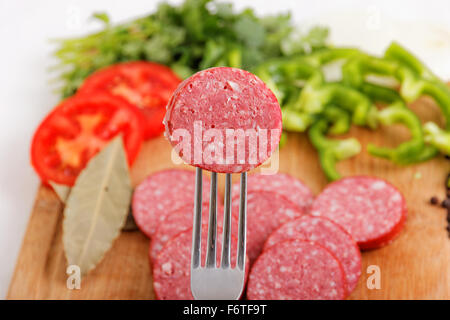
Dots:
{"x": 197, "y": 224}
{"x": 226, "y": 243}
{"x": 211, "y": 281}
{"x": 212, "y": 225}
{"x": 242, "y": 222}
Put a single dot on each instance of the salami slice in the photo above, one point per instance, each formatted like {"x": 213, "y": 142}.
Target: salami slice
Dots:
{"x": 296, "y": 270}
{"x": 291, "y": 188}
{"x": 179, "y": 221}
{"x": 370, "y": 209}
{"x": 327, "y": 234}
{"x": 161, "y": 193}
{"x": 228, "y": 116}
{"x": 266, "y": 211}
{"x": 171, "y": 268}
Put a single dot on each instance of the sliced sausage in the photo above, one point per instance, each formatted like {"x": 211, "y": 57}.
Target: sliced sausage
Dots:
{"x": 223, "y": 120}
{"x": 296, "y": 270}
{"x": 266, "y": 211}
{"x": 162, "y": 193}
{"x": 372, "y": 210}
{"x": 291, "y": 188}
{"x": 327, "y": 234}
{"x": 171, "y": 268}
{"x": 178, "y": 221}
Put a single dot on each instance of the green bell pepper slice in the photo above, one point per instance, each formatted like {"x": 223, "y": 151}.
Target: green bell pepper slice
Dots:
{"x": 411, "y": 151}
{"x": 331, "y": 150}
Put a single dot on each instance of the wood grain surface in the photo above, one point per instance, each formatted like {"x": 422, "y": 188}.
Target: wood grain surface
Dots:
{"x": 415, "y": 266}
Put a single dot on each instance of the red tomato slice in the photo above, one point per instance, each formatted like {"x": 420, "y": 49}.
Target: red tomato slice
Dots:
{"x": 77, "y": 129}
{"x": 147, "y": 85}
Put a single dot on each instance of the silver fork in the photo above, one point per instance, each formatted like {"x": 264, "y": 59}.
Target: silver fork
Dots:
{"x": 224, "y": 282}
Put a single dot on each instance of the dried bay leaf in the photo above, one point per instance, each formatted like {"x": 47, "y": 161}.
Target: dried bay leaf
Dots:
{"x": 61, "y": 191}
{"x": 97, "y": 207}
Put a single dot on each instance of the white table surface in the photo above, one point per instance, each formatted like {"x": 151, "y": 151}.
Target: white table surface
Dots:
{"x": 26, "y": 96}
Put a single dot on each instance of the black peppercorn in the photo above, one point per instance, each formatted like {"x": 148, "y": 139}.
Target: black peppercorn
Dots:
{"x": 434, "y": 200}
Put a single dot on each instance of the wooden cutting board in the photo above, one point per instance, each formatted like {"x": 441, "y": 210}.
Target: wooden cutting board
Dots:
{"x": 415, "y": 266}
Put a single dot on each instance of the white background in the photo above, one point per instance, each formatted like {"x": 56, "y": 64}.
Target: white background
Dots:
{"x": 25, "y": 56}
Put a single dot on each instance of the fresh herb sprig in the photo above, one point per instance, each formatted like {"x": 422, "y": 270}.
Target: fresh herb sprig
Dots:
{"x": 194, "y": 35}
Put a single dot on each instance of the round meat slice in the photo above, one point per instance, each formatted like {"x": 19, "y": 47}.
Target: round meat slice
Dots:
{"x": 171, "y": 268}
{"x": 293, "y": 189}
{"x": 370, "y": 209}
{"x": 162, "y": 193}
{"x": 179, "y": 221}
{"x": 296, "y": 270}
{"x": 266, "y": 211}
{"x": 224, "y": 120}
{"x": 329, "y": 235}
